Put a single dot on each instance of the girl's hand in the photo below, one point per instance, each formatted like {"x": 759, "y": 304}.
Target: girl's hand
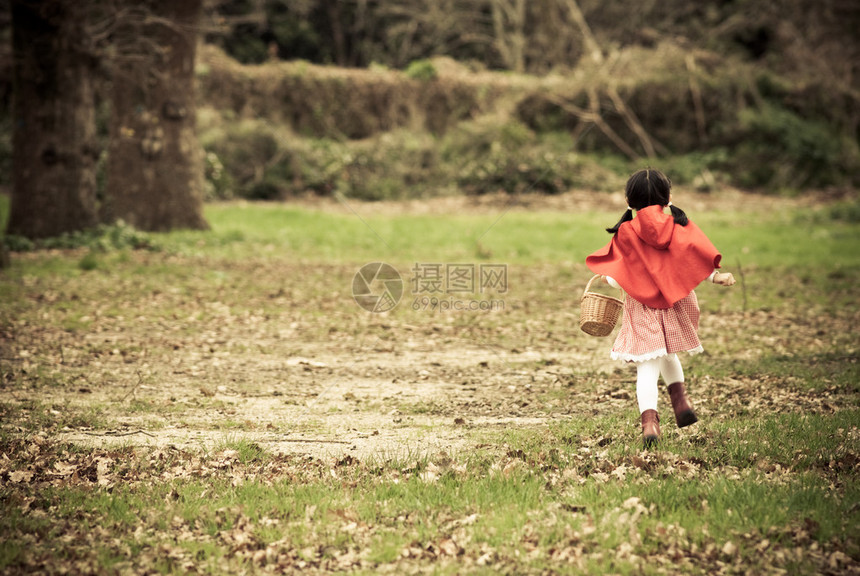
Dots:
{"x": 724, "y": 279}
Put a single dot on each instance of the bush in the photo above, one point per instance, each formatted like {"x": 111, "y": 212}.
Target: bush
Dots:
{"x": 779, "y": 150}
{"x": 397, "y": 165}
{"x": 218, "y": 185}
{"x": 695, "y": 169}
{"x": 88, "y": 262}
{"x": 101, "y": 238}
{"x": 243, "y": 150}
{"x": 253, "y": 159}
{"x": 488, "y": 156}
{"x": 513, "y": 172}
{"x": 846, "y": 212}
{"x": 421, "y": 70}
{"x": 244, "y": 159}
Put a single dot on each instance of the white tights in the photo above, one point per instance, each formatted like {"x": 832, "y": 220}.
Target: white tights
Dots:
{"x": 647, "y": 374}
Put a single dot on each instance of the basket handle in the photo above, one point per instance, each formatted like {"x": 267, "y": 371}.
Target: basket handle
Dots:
{"x": 590, "y": 282}
{"x": 588, "y": 286}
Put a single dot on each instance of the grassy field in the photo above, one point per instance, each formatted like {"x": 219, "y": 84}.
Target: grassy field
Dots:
{"x": 216, "y": 402}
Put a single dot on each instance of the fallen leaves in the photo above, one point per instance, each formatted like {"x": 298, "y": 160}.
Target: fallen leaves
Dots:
{"x": 19, "y": 476}
{"x": 190, "y": 363}
{"x": 264, "y": 541}
{"x": 729, "y": 549}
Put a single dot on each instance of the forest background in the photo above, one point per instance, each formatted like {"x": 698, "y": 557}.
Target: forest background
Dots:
{"x": 418, "y": 98}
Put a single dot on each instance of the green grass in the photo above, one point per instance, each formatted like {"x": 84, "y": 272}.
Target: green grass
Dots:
{"x": 766, "y": 480}
{"x": 510, "y": 510}
{"x": 805, "y": 255}
{"x": 780, "y": 240}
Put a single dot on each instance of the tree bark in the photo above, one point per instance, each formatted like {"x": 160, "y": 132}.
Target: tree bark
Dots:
{"x": 53, "y": 136}
{"x": 155, "y": 171}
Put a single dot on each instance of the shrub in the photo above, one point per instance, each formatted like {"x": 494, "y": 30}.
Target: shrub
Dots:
{"x": 488, "y": 156}
{"x": 422, "y": 70}
{"x": 396, "y": 165}
{"x": 513, "y": 172}
{"x": 218, "y": 184}
{"x": 243, "y": 150}
{"x": 88, "y": 262}
{"x": 846, "y": 211}
{"x": 779, "y": 150}
{"x": 101, "y": 238}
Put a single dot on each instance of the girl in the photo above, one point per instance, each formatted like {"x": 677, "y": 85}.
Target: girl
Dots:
{"x": 657, "y": 259}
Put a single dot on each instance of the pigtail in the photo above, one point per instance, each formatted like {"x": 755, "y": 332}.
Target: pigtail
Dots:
{"x": 678, "y": 214}
{"x": 645, "y": 188}
{"x": 627, "y": 217}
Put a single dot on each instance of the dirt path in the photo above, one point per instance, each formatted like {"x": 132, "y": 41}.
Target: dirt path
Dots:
{"x": 371, "y": 405}
{"x": 398, "y": 400}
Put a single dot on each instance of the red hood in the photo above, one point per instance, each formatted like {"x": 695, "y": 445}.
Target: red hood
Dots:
{"x": 656, "y": 261}
{"x": 654, "y": 227}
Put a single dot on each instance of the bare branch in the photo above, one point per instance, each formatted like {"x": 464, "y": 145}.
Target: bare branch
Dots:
{"x": 591, "y": 45}
{"x": 696, "y": 93}
{"x": 593, "y": 116}
{"x": 633, "y": 123}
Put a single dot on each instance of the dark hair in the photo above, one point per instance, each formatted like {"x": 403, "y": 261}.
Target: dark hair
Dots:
{"x": 648, "y": 187}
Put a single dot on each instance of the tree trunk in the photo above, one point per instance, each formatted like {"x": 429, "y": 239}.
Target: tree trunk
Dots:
{"x": 337, "y": 33}
{"x": 155, "y": 171}
{"x": 509, "y": 21}
{"x": 53, "y": 135}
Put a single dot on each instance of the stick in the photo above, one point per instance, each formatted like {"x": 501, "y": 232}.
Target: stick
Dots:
{"x": 134, "y": 388}
{"x": 114, "y": 433}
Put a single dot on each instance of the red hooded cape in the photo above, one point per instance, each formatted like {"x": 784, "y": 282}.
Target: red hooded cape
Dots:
{"x": 654, "y": 260}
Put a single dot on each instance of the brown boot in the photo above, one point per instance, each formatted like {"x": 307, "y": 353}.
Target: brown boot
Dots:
{"x": 650, "y": 427}
{"x": 684, "y": 414}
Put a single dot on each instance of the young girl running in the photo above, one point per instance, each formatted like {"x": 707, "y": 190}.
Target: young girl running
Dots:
{"x": 657, "y": 259}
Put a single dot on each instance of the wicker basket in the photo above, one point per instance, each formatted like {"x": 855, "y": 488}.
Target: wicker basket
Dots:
{"x": 598, "y": 312}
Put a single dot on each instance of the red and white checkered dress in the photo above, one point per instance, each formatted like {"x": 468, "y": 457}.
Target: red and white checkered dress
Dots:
{"x": 648, "y": 333}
